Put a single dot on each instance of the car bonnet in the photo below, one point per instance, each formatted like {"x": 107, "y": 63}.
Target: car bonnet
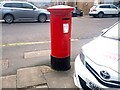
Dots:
{"x": 103, "y": 51}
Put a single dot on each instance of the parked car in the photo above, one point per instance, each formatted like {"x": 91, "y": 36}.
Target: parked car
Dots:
{"x": 101, "y": 10}
{"x": 77, "y": 12}
{"x": 96, "y": 67}
{"x": 20, "y": 10}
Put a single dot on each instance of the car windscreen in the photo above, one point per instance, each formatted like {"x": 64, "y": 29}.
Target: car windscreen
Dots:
{"x": 112, "y": 33}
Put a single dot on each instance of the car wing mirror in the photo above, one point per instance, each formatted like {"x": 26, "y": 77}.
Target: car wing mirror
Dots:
{"x": 104, "y": 30}
{"x": 34, "y": 8}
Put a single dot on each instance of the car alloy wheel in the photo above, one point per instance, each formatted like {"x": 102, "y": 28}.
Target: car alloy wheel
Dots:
{"x": 42, "y": 18}
{"x": 100, "y": 15}
{"x": 9, "y": 19}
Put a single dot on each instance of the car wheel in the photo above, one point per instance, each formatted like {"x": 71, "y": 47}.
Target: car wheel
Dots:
{"x": 74, "y": 15}
{"x": 8, "y": 19}
{"x": 42, "y": 18}
{"x": 81, "y": 14}
{"x": 100, "y": 15}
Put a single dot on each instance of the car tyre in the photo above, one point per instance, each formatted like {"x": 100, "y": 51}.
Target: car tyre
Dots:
{"x": 100, "y": 15}
{"x": 42, "y": 18}
{"x": 74, "y": 15}
{"x": 9, "y": 18}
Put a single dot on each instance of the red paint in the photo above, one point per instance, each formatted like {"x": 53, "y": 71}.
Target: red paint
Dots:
{"x": 60, "y": 41}
{"x": 113, "y": 56}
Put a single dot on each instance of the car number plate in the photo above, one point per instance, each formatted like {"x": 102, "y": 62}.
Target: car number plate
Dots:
{"x": 91, "y": 85}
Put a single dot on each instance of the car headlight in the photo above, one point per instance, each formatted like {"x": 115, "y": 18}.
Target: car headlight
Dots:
{"x": 82, "y": 57}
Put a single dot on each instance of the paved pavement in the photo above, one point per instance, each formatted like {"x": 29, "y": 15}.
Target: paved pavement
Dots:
{"x": 40, "y": 77}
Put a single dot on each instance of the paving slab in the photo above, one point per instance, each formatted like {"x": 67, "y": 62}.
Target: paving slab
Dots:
{"x": 60, "y": 79}
{"x": 46, "y": 69}
{"x": 29, "y": 77}
{"x": 8, "y": 81}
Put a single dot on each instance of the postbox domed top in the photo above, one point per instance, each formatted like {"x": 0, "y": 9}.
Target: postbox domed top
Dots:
{"x": 60, "y": 7}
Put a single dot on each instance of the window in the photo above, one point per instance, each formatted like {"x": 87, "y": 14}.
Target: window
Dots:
{"x": 112, "y": 33}
{"x": 25, "y": 5}
{"x": 7, "y": 5}
{"x": 15, "y": 5}
{"x": 105, "y": 6}
{"x": 113, "y": 7}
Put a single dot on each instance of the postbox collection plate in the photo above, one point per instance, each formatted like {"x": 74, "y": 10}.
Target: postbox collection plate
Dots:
{"x": 66, "y": 28}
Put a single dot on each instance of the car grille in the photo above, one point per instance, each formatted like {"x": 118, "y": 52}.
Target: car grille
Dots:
{"x": 83, "y": 84}
{"x": 110, "y": 84}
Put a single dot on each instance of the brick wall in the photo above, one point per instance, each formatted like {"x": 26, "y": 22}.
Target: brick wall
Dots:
{"x": 85, "y": 6}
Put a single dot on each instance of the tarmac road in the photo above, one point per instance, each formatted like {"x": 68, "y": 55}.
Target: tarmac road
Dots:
{"x": 28, "y": 43}
{"x": 82, "y": 27}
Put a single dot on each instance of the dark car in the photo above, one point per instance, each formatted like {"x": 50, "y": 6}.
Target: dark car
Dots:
{"x": 77, "y": 12}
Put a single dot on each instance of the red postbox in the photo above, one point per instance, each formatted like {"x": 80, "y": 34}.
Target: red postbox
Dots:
{"x": 60, "y": 21}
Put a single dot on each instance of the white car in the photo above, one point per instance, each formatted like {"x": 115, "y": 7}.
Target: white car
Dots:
{"x": 101, "y": 10}
{"x": 96, "y": 67}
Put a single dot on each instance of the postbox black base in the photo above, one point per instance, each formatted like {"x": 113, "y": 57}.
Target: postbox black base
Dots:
{"x": 60, "y": 64}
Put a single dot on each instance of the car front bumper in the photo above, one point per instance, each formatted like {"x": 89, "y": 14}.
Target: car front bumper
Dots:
{"x": 82, "y": 73}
